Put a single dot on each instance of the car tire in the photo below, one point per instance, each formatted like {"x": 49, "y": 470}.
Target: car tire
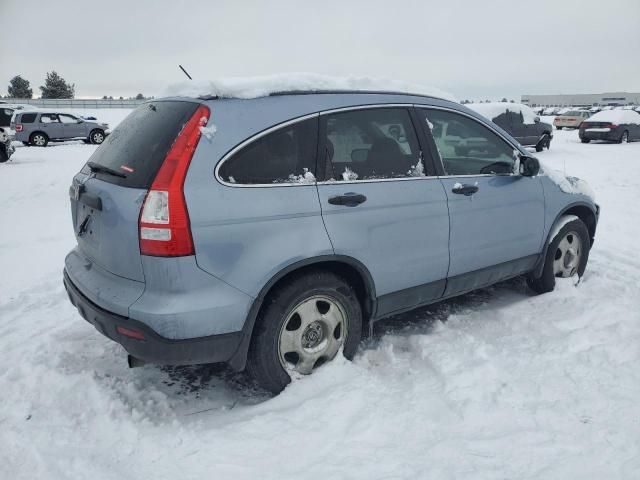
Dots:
{"x": 96, "y": 136}
{"x": 585, "y": 140}
{"x": 313, "y": 315}
{"x": 38, "y": 139}
{"x": 566, "y": 256}
{"x": 624, "y": 138}
{"x": 545, "y": 141}
{"x": 558, "y": 128}
{"x": 3, "y": 154}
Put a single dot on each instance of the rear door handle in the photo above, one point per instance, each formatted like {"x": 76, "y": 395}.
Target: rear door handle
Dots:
{"x": 349, "y": 199}
{"x": 466, "y": 189}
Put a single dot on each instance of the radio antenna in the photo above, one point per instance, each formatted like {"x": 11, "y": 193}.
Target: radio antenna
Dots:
{"x": 185, "y": 72}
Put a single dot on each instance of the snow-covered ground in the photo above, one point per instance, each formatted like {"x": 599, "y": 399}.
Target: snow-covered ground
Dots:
{"x": 496, "y": 384}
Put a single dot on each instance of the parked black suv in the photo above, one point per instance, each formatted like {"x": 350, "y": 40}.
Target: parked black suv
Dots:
{"x": 520, "y": 121}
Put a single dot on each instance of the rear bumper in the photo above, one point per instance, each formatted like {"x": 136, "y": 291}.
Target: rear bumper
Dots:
{"x": 611, "y": 135}
{"x": 154, "y": 348}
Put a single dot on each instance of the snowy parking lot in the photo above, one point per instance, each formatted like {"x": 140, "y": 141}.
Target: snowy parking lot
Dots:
{"x": 499, "y": 383}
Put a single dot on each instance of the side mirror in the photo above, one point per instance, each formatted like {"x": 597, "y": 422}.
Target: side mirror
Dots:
{"x": 529, "y": 166}
{"x": 537, "y": 119}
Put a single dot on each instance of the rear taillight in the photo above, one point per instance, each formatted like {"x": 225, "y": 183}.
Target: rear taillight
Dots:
{"x": 19, "y": 127}
{"x": 164, "y": 220}
{"x": 611, "y": 125}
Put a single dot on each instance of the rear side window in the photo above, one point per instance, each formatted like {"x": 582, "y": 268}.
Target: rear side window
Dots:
{"x": 28, "y": 117}
{"x": 138, "y": 145}
{"x": 287, "y": 155}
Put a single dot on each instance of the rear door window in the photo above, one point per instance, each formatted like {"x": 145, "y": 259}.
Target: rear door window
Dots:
{"x": 138, "y": 145}
{"x": 369, "y": 144}
{"x": 286, "y": 155}
{"x": 49, "y": 118}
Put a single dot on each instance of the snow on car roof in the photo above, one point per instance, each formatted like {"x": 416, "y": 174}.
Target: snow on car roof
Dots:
{"x": 615, "y": 116}
{"x": 263, "y": 86}
{"x": 495, "y": 109}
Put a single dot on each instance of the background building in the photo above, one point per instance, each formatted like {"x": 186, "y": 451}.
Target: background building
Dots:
{"x": 582, "y": 99}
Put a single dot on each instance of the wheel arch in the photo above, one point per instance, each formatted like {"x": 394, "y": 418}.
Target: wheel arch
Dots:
{"x": 354, "y": 272}
{"x": 585, "y": 212}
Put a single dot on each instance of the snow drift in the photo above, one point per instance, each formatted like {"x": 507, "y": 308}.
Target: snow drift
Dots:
{"x": 262, "y": 86}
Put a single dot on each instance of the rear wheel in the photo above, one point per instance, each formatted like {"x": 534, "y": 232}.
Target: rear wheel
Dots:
{"x": 585, "y": 140}
{"x": 96, "y": 136}
{"x": 3, "y": 154}
{"x": 38, "y": 139}
{"x": 558, "y": 128}
{"x": 624, "y": 138}
{"x": 566, "y": 257}
{"x": 304, "y": 324}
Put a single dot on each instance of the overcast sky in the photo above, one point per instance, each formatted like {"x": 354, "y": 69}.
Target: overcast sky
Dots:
{"x": 473, "y": 49}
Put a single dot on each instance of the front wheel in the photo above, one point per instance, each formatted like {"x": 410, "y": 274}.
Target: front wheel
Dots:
{"x": 3, "y": 154}
{"x": 304, "y": 324}
{"x": 96, "y": 137}
{"x": 566, "y": 257}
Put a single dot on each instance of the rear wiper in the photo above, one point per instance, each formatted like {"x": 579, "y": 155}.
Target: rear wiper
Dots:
{"x": 96, "y": 167}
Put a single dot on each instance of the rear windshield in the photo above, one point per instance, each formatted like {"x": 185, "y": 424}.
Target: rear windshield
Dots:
{"x": 138, "y": 145}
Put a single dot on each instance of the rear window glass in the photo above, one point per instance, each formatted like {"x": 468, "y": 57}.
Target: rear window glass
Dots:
{"x": 28, "y": 117}
{"x": 138, "y": 145}
{"x": 287, "y": 155}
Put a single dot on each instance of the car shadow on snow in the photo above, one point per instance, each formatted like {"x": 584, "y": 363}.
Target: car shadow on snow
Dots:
{"x": 203, "y": 380}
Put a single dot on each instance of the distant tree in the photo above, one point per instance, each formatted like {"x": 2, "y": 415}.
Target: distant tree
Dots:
{"x": 104, "y": 97}
{"x": 19, "y": 88}
{"x": 121, "y": 98}
{"x": 139, "y": 97}
{"x": 504, "y": 99}
{"x": 56, "y": 87}
{"x": 110, "y": 97}
{"x": 512, "y": 101}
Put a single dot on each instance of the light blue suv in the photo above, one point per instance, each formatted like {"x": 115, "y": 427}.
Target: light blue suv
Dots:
{"x": 269, "y": 232}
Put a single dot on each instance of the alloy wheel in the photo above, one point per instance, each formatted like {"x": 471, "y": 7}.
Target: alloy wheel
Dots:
{"x": 568, "y": 255}
{"x": 312, "y": 334}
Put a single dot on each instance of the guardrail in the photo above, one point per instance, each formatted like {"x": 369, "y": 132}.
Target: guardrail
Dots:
{"x": 75, "y": 102}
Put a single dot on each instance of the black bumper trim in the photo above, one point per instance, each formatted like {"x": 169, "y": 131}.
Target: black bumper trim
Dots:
{"x": 154, "y": 348}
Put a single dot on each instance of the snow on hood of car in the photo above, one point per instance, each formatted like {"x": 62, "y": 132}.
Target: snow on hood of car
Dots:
{"x": 495, "y": 109}
{"x": 615, "y": 116}
{"x": 566, "y": 183}
{"x": 262, "y": 86}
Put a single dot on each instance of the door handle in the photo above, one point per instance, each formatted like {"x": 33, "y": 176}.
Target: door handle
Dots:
{"x": 466, "y": 189}
{"x": 349, "y": 199}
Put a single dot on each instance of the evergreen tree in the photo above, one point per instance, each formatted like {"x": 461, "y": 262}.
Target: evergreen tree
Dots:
{"x": 56, "y": 87}
{"x": 19, "y": 88}
{"x": 139, "y": 97}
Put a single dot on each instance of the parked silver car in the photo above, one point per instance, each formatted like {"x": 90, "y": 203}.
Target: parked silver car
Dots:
{"x": 41, "y": 127}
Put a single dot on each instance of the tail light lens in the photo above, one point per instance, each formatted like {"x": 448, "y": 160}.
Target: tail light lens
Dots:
{"x": 164, "y": 221}
{"x": 19, "y": 127}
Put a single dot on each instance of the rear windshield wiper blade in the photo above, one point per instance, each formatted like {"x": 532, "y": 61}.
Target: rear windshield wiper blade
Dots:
{"x": 96, "y": 167}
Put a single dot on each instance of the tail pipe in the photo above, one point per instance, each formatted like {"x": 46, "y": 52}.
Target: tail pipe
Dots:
{"x": 134, "y": 362}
